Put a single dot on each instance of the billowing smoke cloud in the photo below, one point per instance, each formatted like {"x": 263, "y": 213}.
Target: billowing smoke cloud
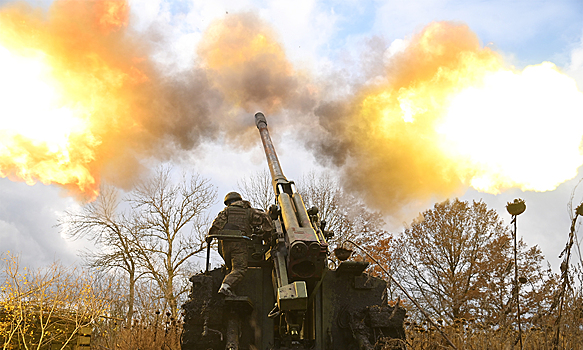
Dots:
{"x": 113, "y": 107}
{"x": 248, "y": 65}
{"x": 116, "y": 108}
{"x": 83, "y": 99}
{"x": 385, "y": 154}
{"x": 448, "y": 114}
{"x": 245, "y": 62}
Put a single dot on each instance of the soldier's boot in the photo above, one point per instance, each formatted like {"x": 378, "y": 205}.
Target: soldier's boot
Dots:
{"x": 226, "y": 290}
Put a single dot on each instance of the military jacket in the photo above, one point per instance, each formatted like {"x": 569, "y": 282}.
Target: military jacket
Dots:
{"x": 258, "y": 219}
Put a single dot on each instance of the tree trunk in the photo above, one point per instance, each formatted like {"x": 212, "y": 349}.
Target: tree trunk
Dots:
{"x": 131, "y": 297}
{"x": 172, "y": 300}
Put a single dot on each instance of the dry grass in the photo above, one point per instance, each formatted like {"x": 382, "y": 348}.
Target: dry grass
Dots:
{"x": 470, "y": 335}
{"x": 465, "y": 334}
{"x": 159, "y": 333}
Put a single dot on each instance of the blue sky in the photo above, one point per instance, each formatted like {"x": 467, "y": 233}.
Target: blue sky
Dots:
{"x": 324, "y": 38}
{"x": 533, "y": 31}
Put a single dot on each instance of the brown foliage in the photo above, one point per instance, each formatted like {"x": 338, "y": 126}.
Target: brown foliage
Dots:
{"x": 457, "y": 258}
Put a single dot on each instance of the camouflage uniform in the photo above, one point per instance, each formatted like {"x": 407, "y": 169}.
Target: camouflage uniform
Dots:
{"x": 234, "y": 252}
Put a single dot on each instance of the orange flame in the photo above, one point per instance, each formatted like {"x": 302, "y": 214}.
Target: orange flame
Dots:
{"x": 112, "y": 14}
{"x": 450, "y": 113}
{"x": 63, "y": 91}
{"x": 86, "y": 101}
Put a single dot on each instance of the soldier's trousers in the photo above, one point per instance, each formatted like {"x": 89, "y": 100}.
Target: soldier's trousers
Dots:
{"x": 235, "y": 255}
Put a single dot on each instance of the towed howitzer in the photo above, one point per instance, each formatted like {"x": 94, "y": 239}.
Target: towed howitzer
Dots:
{"x": 289, "y": 297}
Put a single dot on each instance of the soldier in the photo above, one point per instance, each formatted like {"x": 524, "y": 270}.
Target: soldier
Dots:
{"x": 238, "y": 218}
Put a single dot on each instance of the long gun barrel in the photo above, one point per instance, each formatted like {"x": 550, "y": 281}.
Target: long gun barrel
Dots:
{"x": 272, "y": 160}
{"x": 300, "y": 250}
{"x": 307, "y": 247}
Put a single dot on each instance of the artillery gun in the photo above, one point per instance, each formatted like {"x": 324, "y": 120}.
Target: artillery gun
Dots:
{"x": 289, "y": 297}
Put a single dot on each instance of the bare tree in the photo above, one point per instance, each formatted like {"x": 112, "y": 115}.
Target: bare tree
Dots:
{"x": 346, "y": 215}
{"x": 324, "y": 192}
{"x": 173, "y": 223}
{"x": 114, "y": 234}
{"x": 258, "y": 189}
{"x": 152, "y": 231}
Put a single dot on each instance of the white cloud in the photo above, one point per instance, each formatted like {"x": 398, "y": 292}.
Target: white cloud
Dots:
{"x": 398, "y": 45}
{"x": 509, "y": 20}
{"x": 28, "y": 215}
{"x": 534, "y": 29}
{"x": 303, "y": 27}
{"x": 575, "y": 68}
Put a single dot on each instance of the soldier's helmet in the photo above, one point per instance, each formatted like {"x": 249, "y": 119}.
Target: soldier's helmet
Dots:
{"x": 232, "y": 197}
